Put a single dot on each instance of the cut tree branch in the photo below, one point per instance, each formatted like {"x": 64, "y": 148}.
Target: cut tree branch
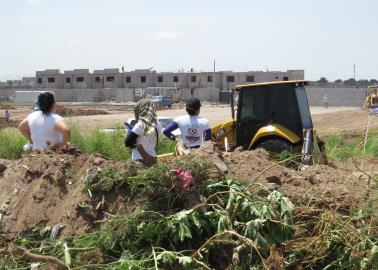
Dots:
{"x": 22, "y": 252}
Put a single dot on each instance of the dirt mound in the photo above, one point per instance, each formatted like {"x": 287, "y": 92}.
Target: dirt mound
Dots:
{"x": 67, "y": 189}
{"x": 11, "y": 123}
{"x": 64, "y": 111}
{"x": 320, "y": 186}
{"x": 48, "y": 189}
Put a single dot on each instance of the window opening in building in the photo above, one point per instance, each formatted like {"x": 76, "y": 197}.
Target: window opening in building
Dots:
{"x": 160, "y": 79}
{"x": 193, "y": 78}
{"x": 39, "y": 80}
{"x": 51, "y": 80}
{"x": 250, "y": 78}
{"x": 230, "y": 79}
{"x": 128, "y": 79}
{"x": 80, "y": 79}
{"x": 143, "y": 79}
{"x": 68, "y": 80}
{"x": 209, "y": 78}
{"x": 110, "y": 79}
{"x": 175, "y": 79}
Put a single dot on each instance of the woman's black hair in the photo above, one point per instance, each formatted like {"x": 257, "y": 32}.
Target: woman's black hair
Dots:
{"x": 45, "y": 102}
{"x": 192, "y": 106}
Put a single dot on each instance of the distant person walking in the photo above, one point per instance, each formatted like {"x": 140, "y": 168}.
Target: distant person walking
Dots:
{"x": 194, "y": 129}
{"x": 7, "y": 115}
{"x": 44, "y": 127}
{"x": 144, "y": 136}
{"x": 325, "y": 101}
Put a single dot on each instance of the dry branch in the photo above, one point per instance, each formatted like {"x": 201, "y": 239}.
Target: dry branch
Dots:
{"x": 14, "y": 250}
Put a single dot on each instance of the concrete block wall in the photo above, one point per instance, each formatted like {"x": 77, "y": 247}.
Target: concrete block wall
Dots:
{"x": 206, "y": 94}
{"x": 336, "y": 96}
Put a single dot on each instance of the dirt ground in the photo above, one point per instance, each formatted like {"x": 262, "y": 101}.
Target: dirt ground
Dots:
{"x": 48, "y": 189}
{"x": 331, "y": 120}
{"x": 10, "y": 123}
{"x": 321, "y": 186}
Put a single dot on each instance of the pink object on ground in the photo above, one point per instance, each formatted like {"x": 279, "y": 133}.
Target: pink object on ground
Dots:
{"x": 184, "y": 177}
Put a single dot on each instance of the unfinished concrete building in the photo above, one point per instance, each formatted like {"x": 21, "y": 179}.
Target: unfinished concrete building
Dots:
{"x": 77, "y": 79}
{"x": 49, "y": 78}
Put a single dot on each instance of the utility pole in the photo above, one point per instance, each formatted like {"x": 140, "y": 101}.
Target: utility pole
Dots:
{"x": 354, "y": 74}
{"x": 214, "y": 83}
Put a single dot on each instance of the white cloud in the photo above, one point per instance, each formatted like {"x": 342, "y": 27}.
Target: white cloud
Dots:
{"x": 33, "y": 2}
{"x": 168, "y": 35}
{"x": 204, "y": 30}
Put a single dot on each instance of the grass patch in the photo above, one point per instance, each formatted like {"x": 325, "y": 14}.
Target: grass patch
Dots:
{"x": 110, "y": 145}
{"x": 340, "y": 148}
{"x": 11, "y": 144}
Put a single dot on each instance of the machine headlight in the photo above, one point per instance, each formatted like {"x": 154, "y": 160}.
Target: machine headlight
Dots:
{"x": 219, "y": 133}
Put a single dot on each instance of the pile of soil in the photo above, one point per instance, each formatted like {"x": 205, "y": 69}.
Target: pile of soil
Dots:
{"x": 47, "y": 189}
{"x": 64, "y": 111}
{"x": 11, "y": 123}
{"x": 319, "y": 186}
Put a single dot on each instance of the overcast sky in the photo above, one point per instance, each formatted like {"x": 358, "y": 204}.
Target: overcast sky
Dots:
{"x": 324, "y": 37}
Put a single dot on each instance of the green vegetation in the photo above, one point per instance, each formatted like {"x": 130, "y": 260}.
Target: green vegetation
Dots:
{"x": 11, "y": 144}
{"x": 344, "y": 149}
{"x": 217, "y": 224}
{"x": 110, "y": 145}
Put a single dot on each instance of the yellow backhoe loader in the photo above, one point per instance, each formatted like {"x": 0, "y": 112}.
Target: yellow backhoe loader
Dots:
{"x": 274, "y": 116}
{"x": 371, "y": 100}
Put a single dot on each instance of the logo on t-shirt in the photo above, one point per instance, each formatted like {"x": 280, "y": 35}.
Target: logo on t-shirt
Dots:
{"x": 191, "y": 137}
{"x": 192, "y": 131}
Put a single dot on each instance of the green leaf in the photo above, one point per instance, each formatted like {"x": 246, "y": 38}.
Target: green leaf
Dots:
{"x": 221, "y": 224}
{"x": 374, "y": 256}
{"x": 166, "y": 257}
{"x": 184, "y": 232}
{"x": 196, "y": 221}
{"x": 185, "y": 261}
{"x": 230, "y": 203}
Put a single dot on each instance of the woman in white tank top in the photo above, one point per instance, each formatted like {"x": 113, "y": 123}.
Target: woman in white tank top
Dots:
{"x": 43, "y": 127}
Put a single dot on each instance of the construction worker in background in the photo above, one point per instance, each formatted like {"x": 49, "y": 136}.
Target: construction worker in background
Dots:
{"x": 144, "y": 136}
{"x": 6, "y": 115}
{"x": 194, "y": 129}
{"x": 325, "y": 101}
{"x": 43, "y": 127}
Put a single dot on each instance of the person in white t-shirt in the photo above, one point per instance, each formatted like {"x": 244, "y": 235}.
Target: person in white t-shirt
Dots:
{"x": 194, "y": 129}
{"x": 43, "y": 127}
{"x": 144, "y": 136}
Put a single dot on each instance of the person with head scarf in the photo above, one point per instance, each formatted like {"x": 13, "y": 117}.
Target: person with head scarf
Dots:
{"x": 44, "y": 127}
{"x": 144, "y": 136}
{"x": 194, "y": 129}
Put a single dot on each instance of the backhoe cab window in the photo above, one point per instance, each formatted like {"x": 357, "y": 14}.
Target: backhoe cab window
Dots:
{"x": 270, "y": 105}
{"x": 303, "y": 107}
{"x": 252, "y": 107}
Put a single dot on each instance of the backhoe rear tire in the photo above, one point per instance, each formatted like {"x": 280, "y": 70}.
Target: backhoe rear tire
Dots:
{"x": 276, "y": 145}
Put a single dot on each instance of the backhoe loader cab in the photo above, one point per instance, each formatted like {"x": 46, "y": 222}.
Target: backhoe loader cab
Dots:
{"x": 371, "y": 100}
{"x": 274, "y": 116}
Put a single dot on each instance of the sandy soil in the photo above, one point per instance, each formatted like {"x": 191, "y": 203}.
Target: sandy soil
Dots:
{"x": 331, "y": 120}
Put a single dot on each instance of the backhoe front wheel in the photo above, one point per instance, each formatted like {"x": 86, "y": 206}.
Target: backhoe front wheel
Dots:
{"x": 276, "y": 145}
